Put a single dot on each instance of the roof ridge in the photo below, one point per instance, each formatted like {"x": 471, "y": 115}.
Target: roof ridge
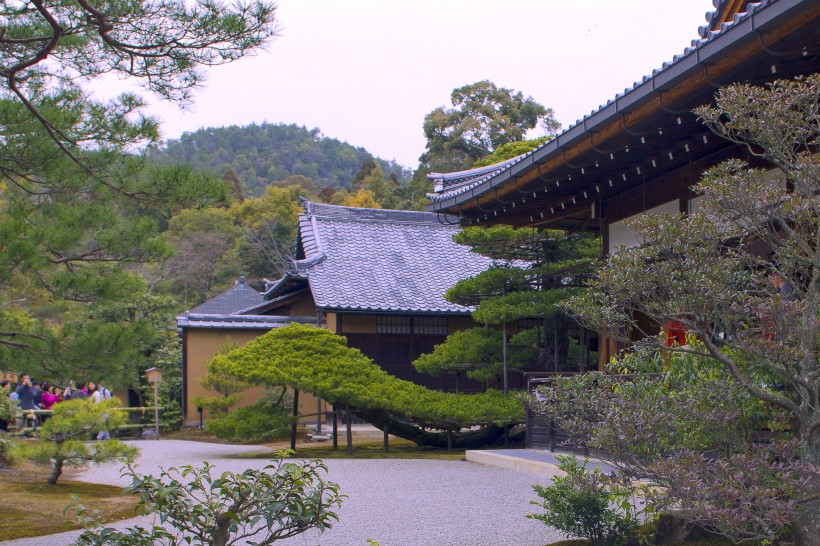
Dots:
{"x": 314, "y": 211}
{"x": 476, "y": 170}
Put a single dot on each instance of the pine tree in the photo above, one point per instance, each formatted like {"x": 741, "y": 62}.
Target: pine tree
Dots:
{"x": 533, "y": 272}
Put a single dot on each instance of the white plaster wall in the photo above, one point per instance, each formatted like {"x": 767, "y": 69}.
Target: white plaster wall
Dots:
{"x": 621, "y": 236}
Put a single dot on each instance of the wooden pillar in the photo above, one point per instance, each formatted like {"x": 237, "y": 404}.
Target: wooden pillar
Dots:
{"x": 504, "y": 355}
{"x": 295, "y": 419}
{"x": 335, "y": 428}
{"x": 583, "y": 352}
{"x": 349, "y": 430}
{"x": 386, "y": 434}
{"x": 551, "y": 436}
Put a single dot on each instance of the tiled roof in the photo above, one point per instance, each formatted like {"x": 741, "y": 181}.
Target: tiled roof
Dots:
{"x": 380, "y": 260}
{"x": 240, "y": 296}
{"x": 450, "y": 181}
{"x": 234, "y": 309}
{"x": 244, "y": 322}
{"x": 468, "y": 180}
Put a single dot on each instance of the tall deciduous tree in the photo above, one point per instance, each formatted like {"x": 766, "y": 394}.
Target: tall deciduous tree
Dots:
{"x": 743, "y": 272}
{"x": 267, "y": 230}
{"x": 73, "y": 198}
{"x": 483, "y": 116}
{"x": 200, "y": 240}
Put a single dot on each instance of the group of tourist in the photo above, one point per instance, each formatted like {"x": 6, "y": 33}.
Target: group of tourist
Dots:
{"x": 36, "y": 395}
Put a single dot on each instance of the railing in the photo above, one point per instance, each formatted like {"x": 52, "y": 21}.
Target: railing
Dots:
{"x": 542, "y": 431}
{"x": 23, "y": 417}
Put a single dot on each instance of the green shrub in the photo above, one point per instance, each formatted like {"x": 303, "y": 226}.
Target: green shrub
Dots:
{"x": 6, "y": 450}
{"x": 198, "y": 506}
{"x": 316, "y": 360}
{"x": 256, "y": 422}
{"x": 585, "y": 503}
{"x": 62, "y": 439}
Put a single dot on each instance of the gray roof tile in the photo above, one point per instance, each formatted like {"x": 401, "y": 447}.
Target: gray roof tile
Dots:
{"x": 231, "y": 322}
{"x": 240, "y": 296}
{"x": 380, "y": 260}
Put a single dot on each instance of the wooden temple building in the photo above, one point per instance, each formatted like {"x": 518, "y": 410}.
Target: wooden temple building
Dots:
{"x": 376, "y": 276}
{"x": 642, "y": 151}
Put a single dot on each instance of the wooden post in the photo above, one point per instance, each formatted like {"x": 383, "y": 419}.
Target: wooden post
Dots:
{"x": 551, "y": 437}
{"x": 449, "y": 440}
{"x": 295, "y": 419}
{"x": 555, "y": 344}
{"x": 349, "y": 430}
{"x": 335, "y": 428}
{"x": 318, "y": 415}
{"x": 504, "y": 355}
{"x": 386, "y": 434}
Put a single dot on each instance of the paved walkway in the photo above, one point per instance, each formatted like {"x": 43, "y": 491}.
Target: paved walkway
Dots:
{"x": 393, "y": 502}
{"x": 531, "y": 461}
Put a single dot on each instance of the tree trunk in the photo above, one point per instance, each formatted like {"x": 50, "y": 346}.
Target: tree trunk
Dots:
{"x": 806, "y": 528}
{"x": 295, "y": 424}
{"x": 349, "y": 430}
{"x": 556, "y": 342}
{"x": 471, "y": 439}
{"x": 56, "y": 472}
{"x": 222, "y": 532}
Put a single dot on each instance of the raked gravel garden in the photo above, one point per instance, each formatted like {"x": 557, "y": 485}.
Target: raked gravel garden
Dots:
{"x": 394, "y": 502}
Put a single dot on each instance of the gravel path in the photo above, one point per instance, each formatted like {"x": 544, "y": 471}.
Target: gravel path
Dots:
{"x": 393, "y": 502}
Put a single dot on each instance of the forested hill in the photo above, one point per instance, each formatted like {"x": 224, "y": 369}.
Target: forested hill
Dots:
{"x": 261, "y": 154}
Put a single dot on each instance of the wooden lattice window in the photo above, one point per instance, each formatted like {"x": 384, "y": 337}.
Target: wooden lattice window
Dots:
{"x": 529, "y": 323}
{"x": 392, "y": 325}
{"x": 430, "y": 326}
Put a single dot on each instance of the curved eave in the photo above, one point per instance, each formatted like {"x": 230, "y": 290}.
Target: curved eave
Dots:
{"x": 677, "y": 78}
{"x": 370, "y": 310}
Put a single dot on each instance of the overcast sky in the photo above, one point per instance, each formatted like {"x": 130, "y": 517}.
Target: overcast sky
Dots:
{"x": 368, "y": 71}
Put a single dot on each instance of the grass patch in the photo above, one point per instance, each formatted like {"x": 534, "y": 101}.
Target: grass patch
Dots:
{"x": 31, "y": 508}
{"x": 399, "y": 449}
{"x": 366, "y": 445}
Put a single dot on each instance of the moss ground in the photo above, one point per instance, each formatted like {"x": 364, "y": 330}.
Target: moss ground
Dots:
{"x": 366, "y": 449}
{"x": 366, "y": 445}
{"x": 32, "y": 508}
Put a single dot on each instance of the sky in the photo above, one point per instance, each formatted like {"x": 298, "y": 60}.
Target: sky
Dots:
{"x": 368, "y": 71}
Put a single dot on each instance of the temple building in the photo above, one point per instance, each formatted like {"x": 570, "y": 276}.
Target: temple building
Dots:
{"x": 378, "y": 277}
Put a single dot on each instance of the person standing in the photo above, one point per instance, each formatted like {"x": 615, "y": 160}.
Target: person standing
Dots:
{"x": 27, "y": 398}
{"x": 97, "y": 395}
{"x": 26, "y": 395}
{"x": 47, "y": 399}
{"x": 105, "y": 394}
{"x": 77, "y": 394}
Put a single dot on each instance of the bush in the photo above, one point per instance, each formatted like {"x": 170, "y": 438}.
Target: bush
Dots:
{"x": 318, "y": 361}
{"x": 256, "y": 422}
{"x": 585, "y": 503}
{"x": 282, "y": 500}
{"x": 61, "y": 440}
{"x": 6, "y": 450}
